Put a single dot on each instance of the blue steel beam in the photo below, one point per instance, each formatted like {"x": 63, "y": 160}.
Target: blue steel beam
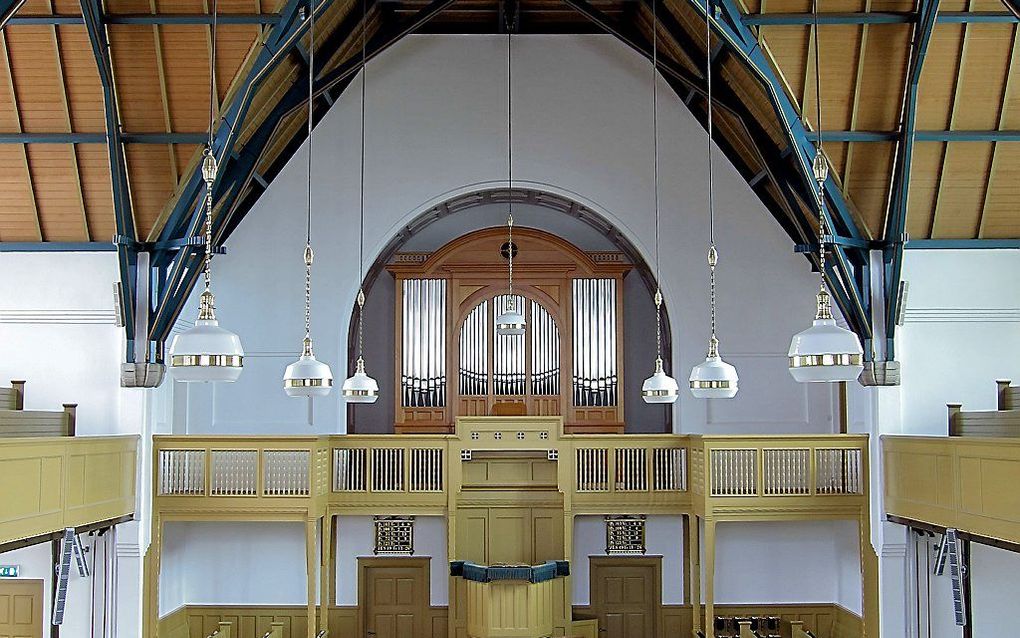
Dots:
{"x": 922, "y": 136}
{"x": 240, "y": 165}
{"x": 876, "y": 17}
{"x": 1013, "y": 6}
{"x": 7, "y": 10}
{"x": 730, "y": 27}
{"x": 896, "y": 217}
{"x": 127, "y": 252}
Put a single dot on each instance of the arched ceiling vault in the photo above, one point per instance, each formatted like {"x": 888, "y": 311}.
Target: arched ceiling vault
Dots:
{"x": 103, "y": 117}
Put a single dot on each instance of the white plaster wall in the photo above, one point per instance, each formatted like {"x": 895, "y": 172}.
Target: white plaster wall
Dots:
{"x": 57, "y": 332}
{"x": 244, "y": 563}
{"x": 663, "y": 537}
{"x": 356, "y": 538}
{"x": 995, "y": 590}
{"x": 961, "y": 332}
{"x": 775, "y": 563}
{"x": 435, "y": 128}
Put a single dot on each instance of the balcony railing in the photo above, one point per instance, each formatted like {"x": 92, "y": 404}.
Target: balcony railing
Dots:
{"x": 240, "y": 467}
{"x": 51, "y": 483}
{"x": 376, "y": 474}
{"x": 779, "y": 466}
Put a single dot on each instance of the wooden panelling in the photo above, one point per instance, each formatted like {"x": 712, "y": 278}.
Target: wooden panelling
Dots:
{"x": 252, "y": 621}
{"x": 60, "y": 482}
{"x": 956, "y": 482}
{"x": 25, "y": 423}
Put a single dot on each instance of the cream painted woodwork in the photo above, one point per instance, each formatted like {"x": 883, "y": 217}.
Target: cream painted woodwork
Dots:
{"x": 21, "y": 608}
{"x": 51, "y": 483}
{"x": 959, "y": 482}
{"x": 509, "y": 489}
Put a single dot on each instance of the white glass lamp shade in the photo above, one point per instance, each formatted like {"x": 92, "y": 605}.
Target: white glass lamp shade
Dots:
{"x": 360, "y": 388}
{"x": 509, "y": 323}
{"x": 713, "y": 379}
{"x": 826, "y": 352}
{"x": 206, "y": 352}
{"x": 660, "y": 387}
{"x": 307, "y": 377}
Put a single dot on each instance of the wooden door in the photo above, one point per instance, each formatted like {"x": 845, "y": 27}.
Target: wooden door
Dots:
{"x": 626, "y": 595}
{"x": 394, "y": 597}
{"x": 21, "y": 608}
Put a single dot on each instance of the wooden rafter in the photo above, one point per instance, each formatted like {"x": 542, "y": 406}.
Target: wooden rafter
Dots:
{"x": 157, "y": 39}
{"x": 8, "y": 69}
{"x": 67, "y": 118}
{"x": 862, "y": 45}
{"x": 953, "y": 112}
{"x": 1013, "y": 63}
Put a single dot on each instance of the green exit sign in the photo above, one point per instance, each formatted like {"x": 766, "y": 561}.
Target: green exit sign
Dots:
{"x": 10, "y": 571}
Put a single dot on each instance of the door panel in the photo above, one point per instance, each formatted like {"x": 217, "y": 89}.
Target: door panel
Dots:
{"x": 21, "y": 608}
{"x": 396, "y": 598}
{"x": 626, "y": 596}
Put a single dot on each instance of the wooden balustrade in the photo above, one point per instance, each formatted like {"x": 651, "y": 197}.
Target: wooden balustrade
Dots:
{"x": 237, "y": 469}
{"x": 959, "y": 482}
{"x": 51, "y": 483}
{"x": 603, "y": 473}
{"x": 736, "y": 468}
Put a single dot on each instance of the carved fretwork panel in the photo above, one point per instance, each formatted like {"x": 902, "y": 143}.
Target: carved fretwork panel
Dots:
{"x": 446, "y": 306}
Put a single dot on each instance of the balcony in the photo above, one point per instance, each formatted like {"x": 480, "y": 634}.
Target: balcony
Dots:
{"x": 715, "y": 476}
{"x": 955, "y": 482}
{"x": 762, "y": 477}
{"x": 51, "y": 483}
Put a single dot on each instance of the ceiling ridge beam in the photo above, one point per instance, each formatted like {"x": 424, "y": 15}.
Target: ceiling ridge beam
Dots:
{"x": 896, "y": 215}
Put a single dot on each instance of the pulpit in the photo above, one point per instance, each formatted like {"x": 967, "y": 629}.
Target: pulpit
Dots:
{"x": 510, "y": 601}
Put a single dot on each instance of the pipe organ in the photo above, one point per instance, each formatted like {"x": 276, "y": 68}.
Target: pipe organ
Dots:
{"x": 568, "y": 363}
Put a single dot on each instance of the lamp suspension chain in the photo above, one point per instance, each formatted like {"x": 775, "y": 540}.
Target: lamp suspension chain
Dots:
{"x": 361, "y": 227}
{"x": 655, "y": 177}
{"x": 820, "y": 170}
{"x": 309, "y": 255}
{"x": 209, "y": 168}
{"x": 713, "y": 253}
{"x": 510, "y": 152}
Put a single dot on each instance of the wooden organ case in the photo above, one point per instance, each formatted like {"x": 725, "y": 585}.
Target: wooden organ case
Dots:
{"x": 449, "y": 361}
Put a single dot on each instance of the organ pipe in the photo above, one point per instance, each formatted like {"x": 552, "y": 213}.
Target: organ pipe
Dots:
{"x": 423, "y": 358}
{"x": 595, "y": 366}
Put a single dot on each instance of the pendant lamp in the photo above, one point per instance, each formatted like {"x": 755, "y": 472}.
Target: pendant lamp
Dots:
{"x": 207, "y": 352}
{"x": 660, "y": 387}
{"x": 308, "y": 377}
{"x": 361, "y": 388}
{"x": 510, "y": 322}
{"x": 825, "y": 352}
{"x": 713, "y": 378}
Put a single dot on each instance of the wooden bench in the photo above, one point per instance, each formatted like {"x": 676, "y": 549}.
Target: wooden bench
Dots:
{"x": 31, "y": 423}
{"x": 13, "y": 398}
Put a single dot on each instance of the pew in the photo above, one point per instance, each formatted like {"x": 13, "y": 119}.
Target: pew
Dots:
{"x": 30, "y": 423}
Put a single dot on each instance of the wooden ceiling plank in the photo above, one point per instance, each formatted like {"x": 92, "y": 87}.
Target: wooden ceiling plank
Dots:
{"x": 960, "y": 62}
{"x": 161, "y": 72}
{"x": 61, "y": 73}
{"x": 862, "y": 44}
{"x": 17, "y": 121}
{"x": 1003, "y": 109}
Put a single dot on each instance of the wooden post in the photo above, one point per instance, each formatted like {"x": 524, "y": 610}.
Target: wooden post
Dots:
{"x": 310, "y": 561}
{"x": 954, "y": 410}
{"x": 155, "y": 554}
{"x": 19, "y": 389}
{"x": 710, "y": 577}
{"x": 1002, "y": 387}
{"x": 694, "y": 564}
{"x": 797, "y": 629}
{"x": 325, "y": 586}
{"x": 223, "y": 630}
{"x": 71, "y": 410}
{"x": 276, "y": 630}
{"x": 745, "y": 629}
